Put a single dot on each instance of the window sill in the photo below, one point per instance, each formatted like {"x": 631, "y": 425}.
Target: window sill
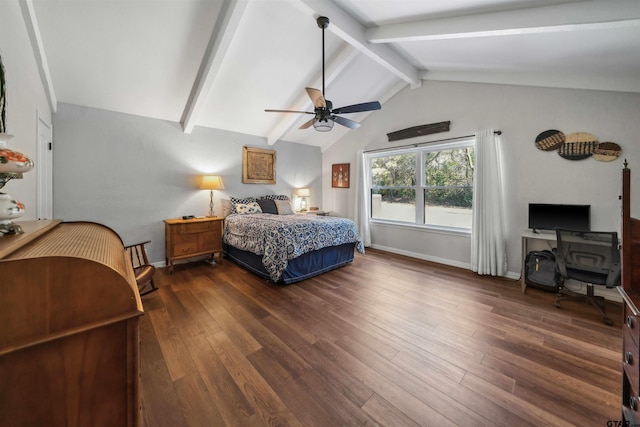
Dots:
{"x": 429, "y": 228}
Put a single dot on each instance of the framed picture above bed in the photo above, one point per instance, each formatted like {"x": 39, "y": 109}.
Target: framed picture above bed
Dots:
{"x": 340, "y": 175}
{"x": 258, "y": 166}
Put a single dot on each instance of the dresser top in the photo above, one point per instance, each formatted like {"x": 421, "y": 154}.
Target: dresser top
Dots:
{"x": 189, "y": 221}
{"x": 32, "y": 230}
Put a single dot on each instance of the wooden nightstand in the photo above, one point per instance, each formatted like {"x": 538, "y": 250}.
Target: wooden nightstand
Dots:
{"x": 187, "y": 238}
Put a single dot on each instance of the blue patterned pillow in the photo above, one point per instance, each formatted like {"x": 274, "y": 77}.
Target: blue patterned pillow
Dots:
{"x": 236, "y": 200}
{"x": 275, "y": 197}
{"x": 249, "y": 208}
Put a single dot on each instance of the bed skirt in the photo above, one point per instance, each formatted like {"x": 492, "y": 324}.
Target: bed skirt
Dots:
{"x": 300, "y": 268}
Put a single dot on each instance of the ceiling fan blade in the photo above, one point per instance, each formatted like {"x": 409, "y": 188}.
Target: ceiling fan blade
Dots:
{"x": 289, "y": 111}
{"x": 357, "y": 108}
{"x": 346, "y": 122}
{"x": 316, "y": 97}
{"x": 307, "y": 124}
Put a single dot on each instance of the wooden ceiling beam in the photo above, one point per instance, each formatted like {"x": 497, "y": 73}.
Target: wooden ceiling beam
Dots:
{"x": 351, "y": 31}
{"x": 31, "y": 23}
{"x": 223, "y": 31}
{"x": 578, "y": 16}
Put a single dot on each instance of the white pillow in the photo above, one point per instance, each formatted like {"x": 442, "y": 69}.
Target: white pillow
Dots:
{"x": 284, "y": 207}
{"x": 249, "y": 208}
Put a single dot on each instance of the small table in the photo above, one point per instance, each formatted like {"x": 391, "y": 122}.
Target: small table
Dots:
{"x": 188, "y": 238}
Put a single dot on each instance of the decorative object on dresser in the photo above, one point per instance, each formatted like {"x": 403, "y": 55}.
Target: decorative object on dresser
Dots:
{"x": 69, "y": 337}
{"x": 303, "y": 193}
{"x": 340, "y": 175}
{"x": 211, "y": 182}
{"x": 191, "y": 238}
{"x": 258, "y": 166}
{"x": 630, "y": 292}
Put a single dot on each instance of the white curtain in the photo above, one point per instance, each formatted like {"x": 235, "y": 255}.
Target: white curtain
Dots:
{"x": 363, "y": 182}
{"x": 488, "y": 251}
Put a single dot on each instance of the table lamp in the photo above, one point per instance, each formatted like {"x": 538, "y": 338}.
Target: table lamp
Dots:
{"x": 303, "y": 193}
{"x": 211, "y": 182}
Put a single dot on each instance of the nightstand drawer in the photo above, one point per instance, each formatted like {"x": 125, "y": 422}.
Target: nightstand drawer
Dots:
{"x": 185, "y": 249}
{"x": 196, "y": 227}
{"x": 185, "y": 238}
{"x": 210, "y": 241}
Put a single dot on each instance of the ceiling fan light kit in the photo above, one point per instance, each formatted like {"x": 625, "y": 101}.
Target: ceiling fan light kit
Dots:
{"x": 323, "y": 125}
{"x": 324, "y": 115}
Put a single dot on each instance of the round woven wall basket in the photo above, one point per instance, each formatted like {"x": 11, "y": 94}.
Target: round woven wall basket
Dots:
{"x": 578, "y": 146}
{"x": 549, "y": 140}
{"x": 606, "y": 151}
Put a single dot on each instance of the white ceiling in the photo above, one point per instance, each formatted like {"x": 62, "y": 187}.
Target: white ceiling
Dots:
{"x": 220, "y": 63}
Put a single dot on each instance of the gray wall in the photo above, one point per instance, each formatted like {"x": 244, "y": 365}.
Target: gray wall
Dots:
{"x": 131, "y": 172}
{"x": 530, "y": 175}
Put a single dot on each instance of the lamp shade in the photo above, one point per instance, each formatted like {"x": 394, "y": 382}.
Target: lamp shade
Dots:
{"x": 303, "y": 192}
{"x": 211, "y": 182}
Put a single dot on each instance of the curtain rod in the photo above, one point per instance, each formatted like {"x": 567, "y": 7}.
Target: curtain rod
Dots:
{"x": 497, "y": 132}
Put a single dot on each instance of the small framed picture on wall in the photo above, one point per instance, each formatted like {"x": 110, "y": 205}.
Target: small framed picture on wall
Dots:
{"x": 340, "y": 175}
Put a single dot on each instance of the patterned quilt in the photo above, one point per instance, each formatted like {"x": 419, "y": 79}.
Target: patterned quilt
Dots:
{"x": 279, "y": 238}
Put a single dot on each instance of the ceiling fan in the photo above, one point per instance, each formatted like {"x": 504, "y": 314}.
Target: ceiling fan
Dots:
{"x": 324, "y": 113}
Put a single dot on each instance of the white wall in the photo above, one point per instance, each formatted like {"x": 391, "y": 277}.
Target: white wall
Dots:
{"x": 531, "y": 175}
{"x": 25, "y": 99}
{"x": 131, "y": 172}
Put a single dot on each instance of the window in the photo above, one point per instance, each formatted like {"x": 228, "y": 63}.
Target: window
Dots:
{"x": 431, "y": 185}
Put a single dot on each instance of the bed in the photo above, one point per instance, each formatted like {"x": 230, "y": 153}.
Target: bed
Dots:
{"x": 289, "y": 248}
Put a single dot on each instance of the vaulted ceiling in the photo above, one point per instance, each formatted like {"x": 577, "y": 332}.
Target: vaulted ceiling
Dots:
{"x": 219, "y": 64}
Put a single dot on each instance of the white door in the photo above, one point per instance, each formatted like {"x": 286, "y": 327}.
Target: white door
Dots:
{"x": 44, "y": 170}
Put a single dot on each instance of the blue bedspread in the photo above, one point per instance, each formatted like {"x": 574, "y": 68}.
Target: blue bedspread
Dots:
{"x": 279, "y": 238}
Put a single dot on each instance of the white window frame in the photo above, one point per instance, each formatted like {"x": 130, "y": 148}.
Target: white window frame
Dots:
{"x": 419, "y": 187}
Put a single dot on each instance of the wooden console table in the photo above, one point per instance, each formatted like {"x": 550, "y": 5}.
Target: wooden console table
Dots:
{"x": 188, "y": 238}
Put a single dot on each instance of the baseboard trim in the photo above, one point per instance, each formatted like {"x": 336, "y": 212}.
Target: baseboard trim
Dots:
{"x": 467, "y": 266}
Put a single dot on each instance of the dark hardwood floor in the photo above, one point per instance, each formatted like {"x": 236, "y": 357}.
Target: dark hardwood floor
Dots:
{"x": 386, "y": 340}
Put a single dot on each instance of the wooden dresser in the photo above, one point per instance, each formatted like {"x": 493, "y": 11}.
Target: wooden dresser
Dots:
{"x": 69, "y": 340}
{"x": 630, "y": 291}
{"x": 188, "y": 238}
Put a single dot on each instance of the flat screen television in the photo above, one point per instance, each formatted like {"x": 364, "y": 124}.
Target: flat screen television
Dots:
{"x": 549, "y": 217}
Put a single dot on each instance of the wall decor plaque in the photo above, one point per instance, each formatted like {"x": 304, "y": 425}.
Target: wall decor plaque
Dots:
{"x": 258, "y": 166}
{"x": 340, "y": 175}
{"x": 416, "y": 131}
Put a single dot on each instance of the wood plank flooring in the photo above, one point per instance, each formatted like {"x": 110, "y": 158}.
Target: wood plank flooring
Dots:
{"x": 387, "y": 340}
